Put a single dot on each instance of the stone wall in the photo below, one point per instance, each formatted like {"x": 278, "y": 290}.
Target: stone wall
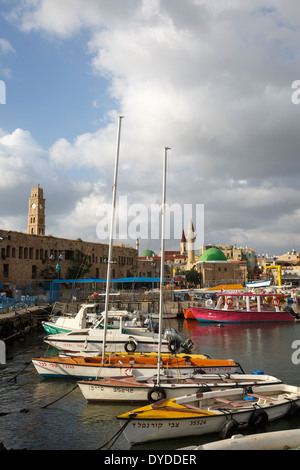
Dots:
{"x": 25, "y": 257}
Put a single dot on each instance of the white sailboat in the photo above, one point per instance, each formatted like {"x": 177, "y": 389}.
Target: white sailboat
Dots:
{"x": 152, "y": 388}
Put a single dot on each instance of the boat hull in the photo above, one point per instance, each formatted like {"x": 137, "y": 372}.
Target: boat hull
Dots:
{"x": 172, "y": 424}
{"x": 207, "y": 315}
{"x": 128, "y": 389}
{"x": 188, "y": 315}
{"x": 93, "y": 344}
{"x": 119, "y": 365}
{"x": 257, "y": 284}
{"x": 276, "y": 440}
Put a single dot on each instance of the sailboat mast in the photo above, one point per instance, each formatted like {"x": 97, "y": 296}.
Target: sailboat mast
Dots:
{"x": 109, "y": 262}
{"x": 162, "y": 262}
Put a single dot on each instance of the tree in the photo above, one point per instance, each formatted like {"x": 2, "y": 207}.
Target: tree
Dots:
{"x": 81, "y": 266}
{"x": 193, "y": 277}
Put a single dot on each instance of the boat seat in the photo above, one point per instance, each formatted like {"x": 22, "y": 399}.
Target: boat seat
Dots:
{"x": 263, "y": 397}
{"x": 235, "y": 404}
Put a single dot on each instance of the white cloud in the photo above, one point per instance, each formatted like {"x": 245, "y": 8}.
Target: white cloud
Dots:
{"x": 5, "y": 46}
{"x": 212, "y": 81}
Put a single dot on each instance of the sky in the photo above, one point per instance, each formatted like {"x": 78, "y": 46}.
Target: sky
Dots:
{"x": 214, "y": 81}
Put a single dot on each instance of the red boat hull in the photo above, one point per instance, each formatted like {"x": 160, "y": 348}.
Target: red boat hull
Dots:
{"x": 240, "y": 316}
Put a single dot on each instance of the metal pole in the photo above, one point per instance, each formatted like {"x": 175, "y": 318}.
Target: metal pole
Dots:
{"x": 109, "y": 263}
{"x": 162, "y": 263}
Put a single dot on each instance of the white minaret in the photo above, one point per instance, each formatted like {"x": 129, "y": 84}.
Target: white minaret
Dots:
{"x": 191, "y": 236}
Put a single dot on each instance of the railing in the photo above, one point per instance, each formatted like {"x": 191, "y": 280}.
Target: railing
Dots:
{"x": 9, "y": 305}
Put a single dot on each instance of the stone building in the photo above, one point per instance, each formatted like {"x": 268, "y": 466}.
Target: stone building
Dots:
{"x": 216, "y": 269}
{"x": 25, "y": 257}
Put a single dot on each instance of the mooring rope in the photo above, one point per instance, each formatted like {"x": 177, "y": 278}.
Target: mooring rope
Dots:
{"x": 118, "y": 433}
{"x": 45, "y": 406}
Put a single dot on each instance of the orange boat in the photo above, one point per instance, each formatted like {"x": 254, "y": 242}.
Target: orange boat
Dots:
{"x": 188, "y": 314}
{"x": 130, "y": 364}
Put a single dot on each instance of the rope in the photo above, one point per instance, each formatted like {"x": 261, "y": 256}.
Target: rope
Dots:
{"x": 20, "y": 372}
{"x": 45, "y": 406}
{"x": 118, "y": 433}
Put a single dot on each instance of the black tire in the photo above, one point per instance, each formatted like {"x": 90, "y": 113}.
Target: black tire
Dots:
{"x": 155, "y": 394}
{"x": 174, "y": 345}
{"x": 293, "y": 411}
{"x": 130, "y": 346}
{"x": 258, "y": 419}
{"x": 228, "y": 429}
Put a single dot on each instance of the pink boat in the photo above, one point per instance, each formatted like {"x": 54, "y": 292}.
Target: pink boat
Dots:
{"x": 246, "y": 307}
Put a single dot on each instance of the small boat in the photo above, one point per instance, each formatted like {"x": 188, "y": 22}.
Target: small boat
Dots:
{"x": 91, "y": 367}
{"x": 222, "y": 411}
{"x": 122, "y": 389}
{"x": 256, "y": 308}
{"x": 86, "y": 317}
{"x": 188, "y": 314}
{"x": 121, "y": 335}
{"x": 256, "y": 284}
{"x": 277, "y": 440}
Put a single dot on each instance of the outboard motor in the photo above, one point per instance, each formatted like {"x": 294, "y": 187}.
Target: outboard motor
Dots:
{"x": 152, "y": 326}
{"x": 176, "y": 342}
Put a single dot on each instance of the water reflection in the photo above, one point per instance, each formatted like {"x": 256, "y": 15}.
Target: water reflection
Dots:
{"x": 59, "y": 418}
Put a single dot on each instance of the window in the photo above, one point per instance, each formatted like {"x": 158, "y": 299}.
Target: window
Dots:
{"x": 5, "y": 270}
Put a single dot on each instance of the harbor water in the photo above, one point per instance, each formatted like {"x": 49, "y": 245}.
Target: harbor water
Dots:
{"x": 52, "y": 414}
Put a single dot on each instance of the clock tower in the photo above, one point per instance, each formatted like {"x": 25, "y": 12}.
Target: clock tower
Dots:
{"x": 36, "y": 212}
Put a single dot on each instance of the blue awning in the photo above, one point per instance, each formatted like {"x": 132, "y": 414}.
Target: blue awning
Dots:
{"x": 121, "y": 280}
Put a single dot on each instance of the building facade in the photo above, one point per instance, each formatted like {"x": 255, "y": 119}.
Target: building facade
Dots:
{"x": 26, "y": 257}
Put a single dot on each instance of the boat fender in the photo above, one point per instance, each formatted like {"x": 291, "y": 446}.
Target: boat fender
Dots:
{"x": 174, "y": 345}
{"x": 156, "y": 394}
{"x": 293, "y": 411}
{"x": 229, "y": 428}
{"x": 291, "y": 311}
{"x": 204, "y": 388}
{"x": 130, "y": 346}
{"x": 258, "y": 418}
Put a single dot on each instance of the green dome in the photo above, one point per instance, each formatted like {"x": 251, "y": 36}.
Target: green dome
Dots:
{"x": 213, "y": 254}
{"x": 147, "y": 254}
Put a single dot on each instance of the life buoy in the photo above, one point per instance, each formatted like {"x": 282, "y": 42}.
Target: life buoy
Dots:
{"x": 229, "y": 301}
{"x": 174, "y": 345}
{"x": 275, "y": 302}
{"x": 228, "y": 429}
{"x": 155, "y": 394}
{"x": 258, "y": 418}
{"x": 130, "y": 346}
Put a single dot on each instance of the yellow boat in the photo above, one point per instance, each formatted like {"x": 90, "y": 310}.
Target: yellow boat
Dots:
{"x": 221, "y": 411}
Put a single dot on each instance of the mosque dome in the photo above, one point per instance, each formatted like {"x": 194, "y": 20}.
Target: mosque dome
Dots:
{"x": 213, "y": 254}
{"x": 147, "y": 254}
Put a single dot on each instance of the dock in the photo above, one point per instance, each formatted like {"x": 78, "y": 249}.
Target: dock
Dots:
{"x": 14, "y": 324}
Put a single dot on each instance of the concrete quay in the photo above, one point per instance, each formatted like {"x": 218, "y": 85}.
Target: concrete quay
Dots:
{"x": 17, "y": 323}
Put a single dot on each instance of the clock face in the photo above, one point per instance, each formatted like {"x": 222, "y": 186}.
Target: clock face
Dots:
{"x": 33, "y": 206}
{"x": 41, "y": 206}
